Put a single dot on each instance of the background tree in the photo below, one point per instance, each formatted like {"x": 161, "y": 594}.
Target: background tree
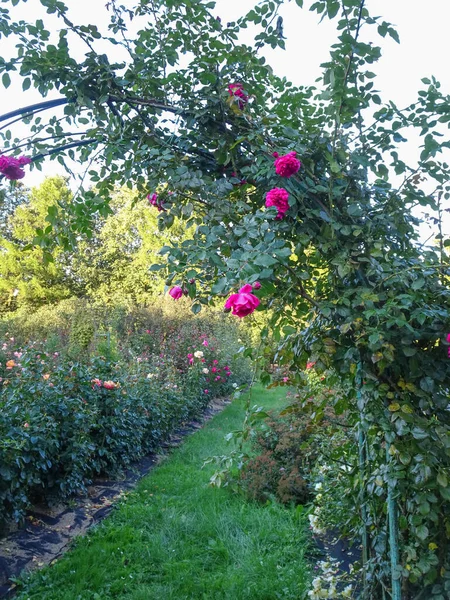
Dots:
{"x": 114, "y": 264}
{"x": 111, "y": 267}
{"x": 26, "y": 278}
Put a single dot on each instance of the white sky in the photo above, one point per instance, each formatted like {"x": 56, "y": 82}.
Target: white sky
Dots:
{"x": 424, "y": 49}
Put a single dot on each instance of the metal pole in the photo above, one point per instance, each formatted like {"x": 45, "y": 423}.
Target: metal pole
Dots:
{"x": 393, "y": 537}
{"x": 362, "y": 476}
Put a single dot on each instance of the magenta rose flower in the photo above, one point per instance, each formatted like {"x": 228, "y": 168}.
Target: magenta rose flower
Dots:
{"x": 256, "y": 285}
{"x": 286, "y": 165}
{"x": 243, "y": 303}
{"x": 236, "y": 90}
{"x": 11, "y": 167}
{"x": 278, "y": 197}
{"x": 153, "y": 200}
{"x": 176, "y": 292}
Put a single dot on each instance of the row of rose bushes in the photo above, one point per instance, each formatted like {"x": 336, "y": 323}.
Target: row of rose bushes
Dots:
{"x": 63, "y": 422}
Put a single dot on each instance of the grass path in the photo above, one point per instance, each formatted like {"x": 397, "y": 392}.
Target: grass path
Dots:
{"x": 176, "y": 538}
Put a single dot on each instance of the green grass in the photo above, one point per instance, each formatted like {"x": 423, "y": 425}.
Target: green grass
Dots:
{"x": 176, "y": 538}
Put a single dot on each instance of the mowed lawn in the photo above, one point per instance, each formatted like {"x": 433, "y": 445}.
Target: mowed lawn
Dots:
{"x": 176, "y": 538}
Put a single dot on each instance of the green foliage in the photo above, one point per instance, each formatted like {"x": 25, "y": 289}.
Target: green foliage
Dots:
{"x": 280, "y": 467}
{"x": 176, "y": 537}
{"x": 81, "y": 334}
{"x": 92, "y": 408}
{"x": 346, "y": 281}
{"x": 111, "y": 267}
{"x": 26, "y": 277}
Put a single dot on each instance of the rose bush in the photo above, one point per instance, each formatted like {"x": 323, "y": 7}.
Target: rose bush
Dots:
{"x": 65, "y": 421}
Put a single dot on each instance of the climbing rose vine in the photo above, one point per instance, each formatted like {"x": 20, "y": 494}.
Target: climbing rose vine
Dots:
{"x": 346, "y": 285}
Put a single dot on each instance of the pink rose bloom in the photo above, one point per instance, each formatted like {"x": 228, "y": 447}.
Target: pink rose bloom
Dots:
{"x": 286, "y": 165}
{"x": 191, "y": 361}
{"x": 218, "y": 378}
{"x": 309, "y": 365}
{"x": 256, "y": 285}
{"x": 205, "y": 343}
{"x": 278, "y": 197}
{"x": 236, "y": 90}
{"x": 10, "y": 167}
{"x": 190, "y": 355}
{"x": 153, "y": 200}
{"x": 243, "y": 303}
{"x": 26, "y": 425}
{"x": 214, "y": 370}
{"x": 215, "y": 362}
{"x": 206, "y": 391}
{"x": 176, "y": 292}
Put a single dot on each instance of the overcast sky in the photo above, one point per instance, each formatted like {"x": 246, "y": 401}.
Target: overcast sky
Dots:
{"x": 424, "y": 48}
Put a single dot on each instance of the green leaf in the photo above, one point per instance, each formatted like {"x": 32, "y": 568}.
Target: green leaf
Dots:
{"x": 207, "y": 78}
{"x": 265, "y": 260}
{"x": 419, "y": 434}
{"x": 196, "y": 308}
{"x": 332, "y": 8}
{"x": 418, "y": 283}
{"x": 6, "y": 80}
{"x": 445, "y": 492}
{"x": 394, "y": 35}
{"x": 289, "y": 330}
{"x": 422, "y": 532}
{"x": 26, "y": 83}
{"x": 219, "y": 286}
{"x": 409, "y": 350}
{"x": 442, "y": 479}
{"x": 156, "y": 267}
